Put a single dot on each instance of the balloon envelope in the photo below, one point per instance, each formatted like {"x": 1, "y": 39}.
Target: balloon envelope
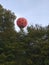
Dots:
{"x": 21, "y": 22}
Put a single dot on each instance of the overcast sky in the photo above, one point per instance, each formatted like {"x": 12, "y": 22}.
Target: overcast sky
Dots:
{"x": 35, "y": 11}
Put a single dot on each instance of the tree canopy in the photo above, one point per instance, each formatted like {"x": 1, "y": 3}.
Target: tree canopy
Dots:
{"x": 22, "y": 49}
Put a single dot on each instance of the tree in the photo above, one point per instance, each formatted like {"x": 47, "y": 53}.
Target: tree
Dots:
{"x": 7, "y": 36}
{"x": 22, "y": 49}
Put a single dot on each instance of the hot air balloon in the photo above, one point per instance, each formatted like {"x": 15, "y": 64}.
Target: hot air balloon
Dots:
{"x": 21, "y": 22}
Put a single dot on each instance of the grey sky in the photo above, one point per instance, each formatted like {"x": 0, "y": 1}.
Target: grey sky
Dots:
{"x": 36, "y": 11}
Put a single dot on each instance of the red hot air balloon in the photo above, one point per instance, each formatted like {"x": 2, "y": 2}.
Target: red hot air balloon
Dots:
{"x": 21, "y": 22}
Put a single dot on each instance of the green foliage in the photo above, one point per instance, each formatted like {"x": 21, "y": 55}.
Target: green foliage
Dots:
{"x": 31, "y": 48}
